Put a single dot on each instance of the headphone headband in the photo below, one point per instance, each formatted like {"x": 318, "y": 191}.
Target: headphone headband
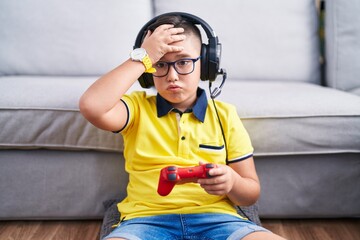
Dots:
{"x": 210, "y": 53}
{"x": 210, "y": 33}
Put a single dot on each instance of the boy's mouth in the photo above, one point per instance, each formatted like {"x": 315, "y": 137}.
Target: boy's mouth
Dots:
{"x": 173, "y": 87}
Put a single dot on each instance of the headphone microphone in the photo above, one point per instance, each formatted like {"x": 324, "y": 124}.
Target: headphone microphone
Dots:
{"x": 217, "y": 90}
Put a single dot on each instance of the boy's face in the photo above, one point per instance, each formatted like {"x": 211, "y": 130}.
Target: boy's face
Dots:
{"x": 180, "y": 90}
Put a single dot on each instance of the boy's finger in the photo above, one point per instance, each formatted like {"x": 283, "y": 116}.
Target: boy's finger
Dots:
{"x": 175, "y": 48}
{"x": 164, "y": 27}
{"x": 177, "y": 38}
{"x": 216, "y": 172}
{"x": 148, "y": 33}
{"x": 175, "y": 30}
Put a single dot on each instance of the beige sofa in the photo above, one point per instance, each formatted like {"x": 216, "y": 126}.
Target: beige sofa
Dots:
{"x": 303, "y": 116}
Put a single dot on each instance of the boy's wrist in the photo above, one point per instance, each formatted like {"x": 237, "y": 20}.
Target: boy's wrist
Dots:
{"x": 140, "y": 55}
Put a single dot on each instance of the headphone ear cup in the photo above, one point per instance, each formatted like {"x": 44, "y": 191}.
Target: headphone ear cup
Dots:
{"x": 146, "y": 80}
{"x": 213, "y": 57}
{"x": 204, "y": 63}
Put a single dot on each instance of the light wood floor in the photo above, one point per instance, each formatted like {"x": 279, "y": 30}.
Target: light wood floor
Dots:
{"x": 338, "y": 229}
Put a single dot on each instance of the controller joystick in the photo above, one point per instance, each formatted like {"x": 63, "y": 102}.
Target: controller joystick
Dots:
{"x": 171, "y": 175}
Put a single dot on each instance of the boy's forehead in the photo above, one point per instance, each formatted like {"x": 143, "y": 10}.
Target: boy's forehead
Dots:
{"x": 192, "y": 49}
{"x": 192, "y": 42}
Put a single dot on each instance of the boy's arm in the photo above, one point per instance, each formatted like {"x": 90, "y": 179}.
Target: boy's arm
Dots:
{"x": 101, "y": 104}
{"x": 246, "y": 187}
{"x": 239, "y": 181}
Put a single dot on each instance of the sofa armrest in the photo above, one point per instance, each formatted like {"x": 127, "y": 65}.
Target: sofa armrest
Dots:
{"x": 342, "y": 34}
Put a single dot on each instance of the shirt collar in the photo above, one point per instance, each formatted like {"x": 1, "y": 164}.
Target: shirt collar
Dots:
{"x": 199, "y": 109}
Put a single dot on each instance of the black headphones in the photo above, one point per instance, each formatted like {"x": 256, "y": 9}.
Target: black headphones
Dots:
{"x": 210, "y": 53}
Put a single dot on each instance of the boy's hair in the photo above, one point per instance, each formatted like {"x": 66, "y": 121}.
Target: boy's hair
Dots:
{"x": 178, "y": 22}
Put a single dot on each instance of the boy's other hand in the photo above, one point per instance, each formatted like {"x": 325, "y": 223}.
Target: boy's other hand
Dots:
{"x": 221, "y": 182}
{"x": 160, "y": 42}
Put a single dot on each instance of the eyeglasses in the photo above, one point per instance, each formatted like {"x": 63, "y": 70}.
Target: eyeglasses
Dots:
{"x": 182, "y": 66}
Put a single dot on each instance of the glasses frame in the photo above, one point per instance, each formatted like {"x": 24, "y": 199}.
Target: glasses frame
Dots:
{"x": 169, "y": 64}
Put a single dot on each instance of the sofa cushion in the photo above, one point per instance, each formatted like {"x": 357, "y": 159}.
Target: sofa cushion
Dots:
{"x": 42, "y": 112}
{"x": 65, "y": 37}
{"x": 296, "y": 118}
{"x": 342, "y": 45}
{"x": 261, "y": 40}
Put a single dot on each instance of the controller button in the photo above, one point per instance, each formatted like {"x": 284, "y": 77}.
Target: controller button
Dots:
{"x": 209, "y": 165}
{"x": 172, "y": 168}
{"x": 172, "y": 176}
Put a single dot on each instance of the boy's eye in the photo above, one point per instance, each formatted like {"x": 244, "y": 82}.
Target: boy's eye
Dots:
{"x": 182, "y": 63}
{"x": 160, "y": 65}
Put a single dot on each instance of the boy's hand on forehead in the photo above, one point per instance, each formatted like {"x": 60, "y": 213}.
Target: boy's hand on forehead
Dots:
{"x": 160, "y": 42}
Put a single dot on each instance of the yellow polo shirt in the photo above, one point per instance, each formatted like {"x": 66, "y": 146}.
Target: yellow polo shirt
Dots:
{"x": 156, "y": 136}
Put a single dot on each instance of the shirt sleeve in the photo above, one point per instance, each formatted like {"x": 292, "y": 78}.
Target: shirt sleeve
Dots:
{"x": 132, "y": 106}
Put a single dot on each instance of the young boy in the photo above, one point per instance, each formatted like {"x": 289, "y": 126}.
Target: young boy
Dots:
{"x": 177, "y": 127}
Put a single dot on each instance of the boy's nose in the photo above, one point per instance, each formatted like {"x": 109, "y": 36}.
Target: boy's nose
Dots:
{"x": 172, "y": 74}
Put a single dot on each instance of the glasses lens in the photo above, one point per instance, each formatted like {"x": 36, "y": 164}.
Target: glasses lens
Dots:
{"x": 184, "y": 66}
{"x": 161, "y": 69}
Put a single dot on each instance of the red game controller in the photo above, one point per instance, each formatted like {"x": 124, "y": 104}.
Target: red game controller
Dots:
{"x": 169, "y": 176}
